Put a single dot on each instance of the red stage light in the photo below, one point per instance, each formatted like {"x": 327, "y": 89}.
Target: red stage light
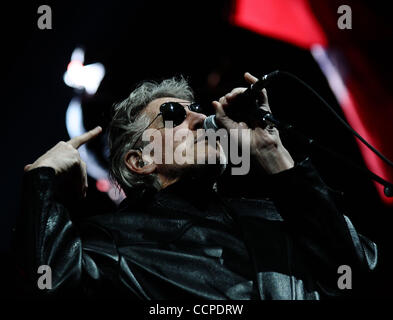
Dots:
{"x": 292, "y": 21}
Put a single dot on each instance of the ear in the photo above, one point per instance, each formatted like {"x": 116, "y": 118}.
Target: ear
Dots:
{"x": 134, "y": 162}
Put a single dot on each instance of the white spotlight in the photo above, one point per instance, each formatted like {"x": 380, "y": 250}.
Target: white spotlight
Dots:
{"x": 80, "y": 76}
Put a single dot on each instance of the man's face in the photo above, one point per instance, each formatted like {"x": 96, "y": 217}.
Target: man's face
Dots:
{"x": 183, "y": 147}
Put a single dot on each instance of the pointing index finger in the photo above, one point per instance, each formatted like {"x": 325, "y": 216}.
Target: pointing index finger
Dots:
{"x": 76, "y": 142}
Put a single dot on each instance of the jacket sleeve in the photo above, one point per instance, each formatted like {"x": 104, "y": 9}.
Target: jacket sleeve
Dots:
{"x": 45, "y": 235}
{"x": 326, "y": 236}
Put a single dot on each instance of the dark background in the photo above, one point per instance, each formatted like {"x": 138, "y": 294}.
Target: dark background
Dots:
{"x": 139, "y": 40}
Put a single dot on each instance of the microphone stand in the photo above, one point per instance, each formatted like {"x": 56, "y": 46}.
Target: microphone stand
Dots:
{"x": 267, "y": 118}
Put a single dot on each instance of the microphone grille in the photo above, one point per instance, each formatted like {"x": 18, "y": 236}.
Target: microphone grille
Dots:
{"x": 210, "y": 123}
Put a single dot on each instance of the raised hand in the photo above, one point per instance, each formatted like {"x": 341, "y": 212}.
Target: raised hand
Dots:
{"x": 64, "y": 158}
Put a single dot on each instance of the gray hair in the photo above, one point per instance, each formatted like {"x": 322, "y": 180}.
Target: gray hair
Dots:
{"x": 128, "y": 122}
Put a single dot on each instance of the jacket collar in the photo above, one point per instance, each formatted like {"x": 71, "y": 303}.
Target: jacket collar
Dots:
{"x": 187, "y": 195}
{"x": 191, "y": 196}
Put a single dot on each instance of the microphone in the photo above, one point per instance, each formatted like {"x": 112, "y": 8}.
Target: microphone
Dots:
{"x": 245, "y": 106}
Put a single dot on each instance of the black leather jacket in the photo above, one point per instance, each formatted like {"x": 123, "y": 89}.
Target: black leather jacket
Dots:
{"x": 175, "y": 244}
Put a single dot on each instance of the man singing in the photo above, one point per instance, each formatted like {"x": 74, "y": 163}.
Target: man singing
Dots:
{"x": 175, "y": 236}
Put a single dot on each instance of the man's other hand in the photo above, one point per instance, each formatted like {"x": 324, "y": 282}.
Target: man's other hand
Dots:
{"x": 265, "y": 144}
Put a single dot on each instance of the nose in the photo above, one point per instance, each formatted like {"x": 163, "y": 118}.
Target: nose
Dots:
{"x": 195, "y": 120}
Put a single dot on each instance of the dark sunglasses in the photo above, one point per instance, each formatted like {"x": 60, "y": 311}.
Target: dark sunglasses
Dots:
{"x": 174, "y": 112}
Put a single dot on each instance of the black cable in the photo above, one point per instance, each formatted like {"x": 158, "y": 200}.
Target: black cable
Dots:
{"x": 342, "y": 121}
